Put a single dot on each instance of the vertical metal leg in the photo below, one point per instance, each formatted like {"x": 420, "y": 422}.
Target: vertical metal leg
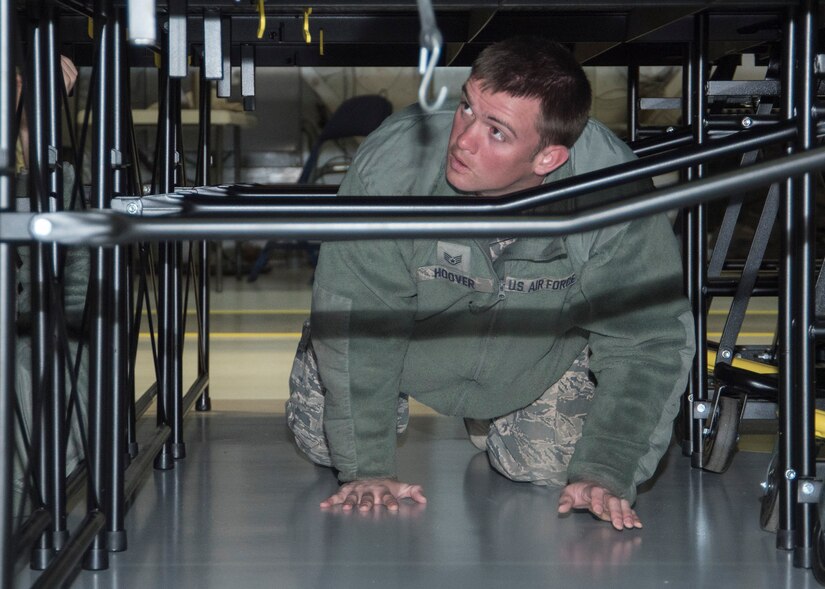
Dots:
{"x": 697, "y": 235}
{"x": 204, "y": 402}
{"x": 632, "y": 102}
{"x": 8, "y": 292}
{"x": 40, "y": 283}
{"x": 116, "y": 507}
{"x": 804, "y": 454}
{"x": 787, "y": 377}
{"x": 100, "y": 383}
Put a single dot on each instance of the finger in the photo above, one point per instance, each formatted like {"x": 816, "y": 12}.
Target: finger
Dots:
{"x": 597, "y": 503}
{"x": 565, "y": 503}
{"x": 616, "y": 512}
{"x": 417, "y": 494}
{"x": 390, "y": 502}
{"x": 350, "y": 501}
{"x": 332, "y": 500}
{"x": 631, "y": 519}
{"x": 367, "y": 501}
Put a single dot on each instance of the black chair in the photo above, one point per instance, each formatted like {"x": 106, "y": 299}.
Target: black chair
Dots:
{"x": 355, "y": 117}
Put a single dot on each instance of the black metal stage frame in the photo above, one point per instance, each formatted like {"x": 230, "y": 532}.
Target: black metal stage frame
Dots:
{"x": 218, "y": 34}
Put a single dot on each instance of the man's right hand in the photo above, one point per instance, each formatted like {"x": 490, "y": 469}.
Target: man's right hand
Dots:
{"x": 371, "y": 493}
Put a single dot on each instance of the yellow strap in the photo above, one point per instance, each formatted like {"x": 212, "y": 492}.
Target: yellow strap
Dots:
{"x": 261, "y": 19}
{"x": 90, "y": 27}
{"x": 321, "y": 41}
{"x": 307, "y": 35}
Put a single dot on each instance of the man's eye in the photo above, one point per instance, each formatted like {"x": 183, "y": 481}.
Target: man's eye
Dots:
{"x": 497, "y": 134}
{"x": 465, "y": 107}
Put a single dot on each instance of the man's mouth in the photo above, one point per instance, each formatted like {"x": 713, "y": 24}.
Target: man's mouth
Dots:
{"x": 457, "y": 164}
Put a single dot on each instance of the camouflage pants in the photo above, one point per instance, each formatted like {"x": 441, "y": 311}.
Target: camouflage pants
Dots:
{"x": 534, "y": 443}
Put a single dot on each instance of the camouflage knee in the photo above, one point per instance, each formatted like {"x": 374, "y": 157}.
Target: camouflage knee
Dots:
{"x": 305, "y": 406}
{"x": 536, "y": 443}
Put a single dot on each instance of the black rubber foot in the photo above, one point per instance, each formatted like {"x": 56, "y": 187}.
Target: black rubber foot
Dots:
{"x": 687, "y": 448}
{"x": 179, "y": 451}
{"x": 133, "y": 449}
{"x": 696, "y": 460}
{"x": 116, "y": 540}
{"x": 785, "y": 539}
{"x": 96, "y": 560}
{"x": 60, "y": 539}
{"x": 41, "y": 557}
{"x": 164, "y": 461}
{"x": 204, "y": 404}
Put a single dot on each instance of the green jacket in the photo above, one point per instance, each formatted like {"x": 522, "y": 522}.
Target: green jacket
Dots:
{"x": 476, "y": 337}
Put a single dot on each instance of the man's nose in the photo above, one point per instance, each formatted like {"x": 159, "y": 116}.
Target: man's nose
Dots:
{"x": 467, "y": 139}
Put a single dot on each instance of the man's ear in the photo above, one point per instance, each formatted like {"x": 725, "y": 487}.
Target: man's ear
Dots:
{"x": 550, "y": 158}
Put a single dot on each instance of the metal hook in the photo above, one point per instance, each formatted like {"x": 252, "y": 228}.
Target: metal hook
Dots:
{"x": 431, "y": 41}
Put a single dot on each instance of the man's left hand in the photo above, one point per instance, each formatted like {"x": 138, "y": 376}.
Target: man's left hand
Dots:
{"x": 601, "y": 503}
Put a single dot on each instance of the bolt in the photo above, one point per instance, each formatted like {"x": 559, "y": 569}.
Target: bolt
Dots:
{"x": 42, "y": 227}
{"x": 132, "y": 208}
{"x": 790, "y": 474}
{"x": 747, "y": 122}
{"x": 764, "y": 485}
{"x": 726, "y": 354}
{"x": 701, "y": 408}
{"x": 808, "y": 488}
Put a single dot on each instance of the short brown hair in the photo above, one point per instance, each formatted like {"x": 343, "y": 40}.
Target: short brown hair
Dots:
{"x": 534, "y": 67}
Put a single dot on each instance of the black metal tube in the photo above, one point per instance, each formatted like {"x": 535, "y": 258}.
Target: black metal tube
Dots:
{"x": 785, "y": 535}
{"x": 37, "y": 118}
{"x": 166, "y": 170}
{"x": 632, "y": 101}
{"x": 108, "y": 227}
{"x": 8, "y": 292}
{"x": 100, "y": 384}
{"x": 204, "y": 159}
{"x": 56, "y": 497}
{"x": 804, "y": 456}
{"x": 116, "y": 506}
{"x": 698, "y": 232}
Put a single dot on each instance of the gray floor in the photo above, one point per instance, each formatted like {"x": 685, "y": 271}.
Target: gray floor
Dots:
{"x": 241, "y": 511}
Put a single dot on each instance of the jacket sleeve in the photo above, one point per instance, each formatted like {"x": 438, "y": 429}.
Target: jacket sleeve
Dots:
{"x": 639, "y": 331}
{"x": 363, "y": 307}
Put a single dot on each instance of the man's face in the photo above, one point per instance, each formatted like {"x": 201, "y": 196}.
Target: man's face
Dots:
{"x": 493, "y": 142}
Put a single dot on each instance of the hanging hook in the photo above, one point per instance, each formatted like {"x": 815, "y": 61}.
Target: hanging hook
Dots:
{"x": 430, "y": 40}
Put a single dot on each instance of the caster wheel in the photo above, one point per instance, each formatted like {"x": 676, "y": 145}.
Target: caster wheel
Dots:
{"x": 818, "y": 565}
{"x": 769, "y": 513}
{"x": 720, "y": 442}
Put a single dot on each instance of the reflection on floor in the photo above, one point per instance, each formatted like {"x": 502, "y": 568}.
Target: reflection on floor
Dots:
{"x": 242, "y": 511}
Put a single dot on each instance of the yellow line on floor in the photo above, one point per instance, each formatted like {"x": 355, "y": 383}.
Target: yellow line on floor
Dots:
{"x": 770, "y": 334}
{"x": 254, "y": 312}
{"x": 748, "y": 312}
{"x": 296, "y": 334}
{"x": 240, "y": 336}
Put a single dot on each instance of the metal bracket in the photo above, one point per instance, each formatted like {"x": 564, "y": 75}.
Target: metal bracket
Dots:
{"x": 149, "y": 206}
{"x": 212, "y": 45}
{"x": 808, "y": 490}
{"x": 248, "y": 76}
{"x": 178, "y": 44}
